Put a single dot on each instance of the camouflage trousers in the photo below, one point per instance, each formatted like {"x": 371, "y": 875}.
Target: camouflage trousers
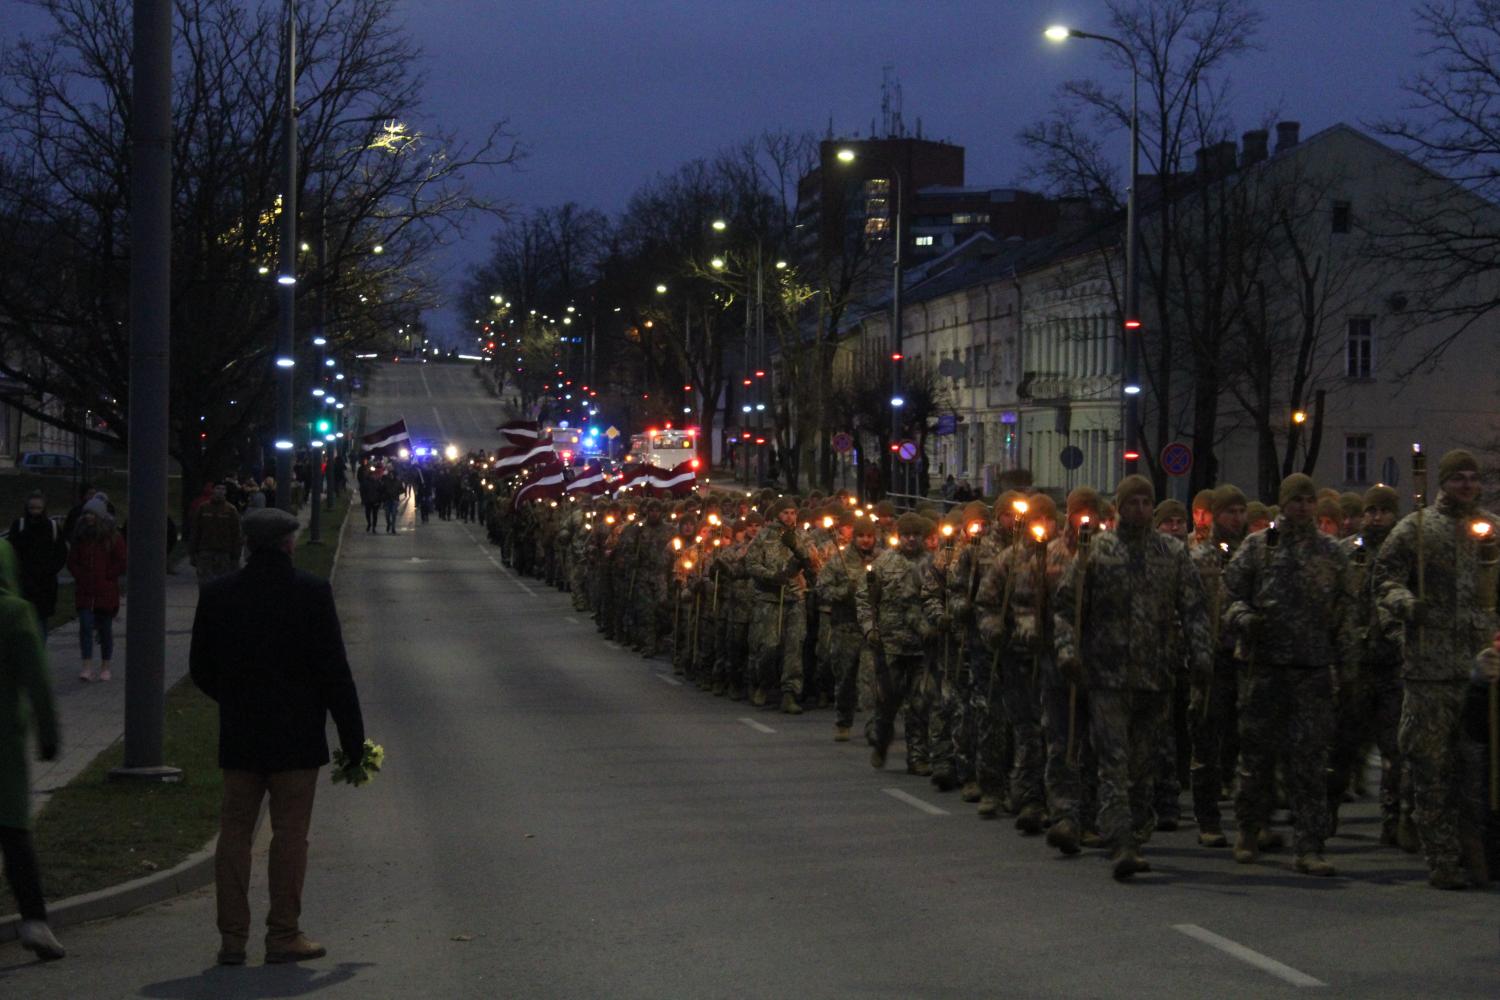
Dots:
{"x": 1125, "y": 731}
{"x": 937, "y": 697}
{"x": 1429, "y": 740}
{"x": 898, "y": 685}
{"x": 1022, "y": 705}
{"x": 735, "y": 656}
{"x": 1072, "y": 785}
{"x": 682, "y": 631}
{"x": 1210, "y": 719}
{"x": 816, "y": 679}
{"x": 1172, "y": 748}
{"x": 1369, "y": 710}
{"x": 578, "y": 584}
{"x": 650, "y": 615}
{"x": 776, "y": 657}
{"x": 1286, "y": 713}
{"x": 841, "y": 644}
{"x": 975, "y": 735}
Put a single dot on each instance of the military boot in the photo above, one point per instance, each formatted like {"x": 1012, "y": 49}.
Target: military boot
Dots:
{"x": 1246, "y": 845}
{"x": 989, "y": 807}
{"x": 1029, "y": 822}
{"x": 877, "y": 757}
{"x": 721, "y": 688}
{"x": 1406, "y": 834}
{"x": 1063, "y": 835}
{"x": 944, "y": 779}
{"x": 789, "y": 704}
{"x": 1388, "y": 832}
{"x": 970, "y": 792}
{"x": 1270, "y": 840}
{"x": 841, "y": 734}
{"x": 1313, "y": 864}
{"x": 1447, "y": 877}
{"x": 921, "y": 769}
{"x": 1127, "y": 861}
{"x": 1471, "y": 849}
{"x": 1209, "y": 836}
{"x": 758, "y": 697}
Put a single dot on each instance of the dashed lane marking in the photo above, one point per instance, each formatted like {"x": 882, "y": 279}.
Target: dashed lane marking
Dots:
{"x": 668, "y": 678}
{"x": 573, "y": 621}
{"x": 759, "y": 727}
{"x": 1248, "y": 955}
{"x": 914, "y": 802}
{"x": 484, "y": 551}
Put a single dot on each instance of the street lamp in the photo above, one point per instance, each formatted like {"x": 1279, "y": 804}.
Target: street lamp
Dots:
{"x": 849, "y": 156}
{"x": 1132, "y": 320}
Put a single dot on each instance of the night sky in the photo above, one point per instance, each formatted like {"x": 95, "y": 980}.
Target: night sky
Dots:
{"x": 606, "y": 94}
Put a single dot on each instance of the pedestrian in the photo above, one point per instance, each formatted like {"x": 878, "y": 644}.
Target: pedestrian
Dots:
{"x": 214, "y": 539}
{"x": 24, "y": 695}
{"x": 97, "y": 560}
{"x": 42, "y": 551}
{"x": 391, "y": 492}
{"x": 267, "y": 647}
{"x": 950, "y": 487}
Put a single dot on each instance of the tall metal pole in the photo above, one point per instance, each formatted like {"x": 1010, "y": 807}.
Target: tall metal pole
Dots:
{"x": 1132, "y": 324}
{"x": 150, "y": 340}
{"x": 286, "y": 276}
{"x": 897, "y": 357}
{"x": 315, "y": 447}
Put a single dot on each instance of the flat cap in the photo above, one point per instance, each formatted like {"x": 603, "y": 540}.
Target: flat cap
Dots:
{"x": 265, "y": 527}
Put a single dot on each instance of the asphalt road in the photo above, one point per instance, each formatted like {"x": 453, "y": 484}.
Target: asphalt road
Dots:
{"x": 560, "y": 818}
{"x": 443, "y": 403}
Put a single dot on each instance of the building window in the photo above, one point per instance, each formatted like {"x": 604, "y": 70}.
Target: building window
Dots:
{"x": 924, "y": 241}
{"x": 971, "y": 218}
{"x": 1341, "y": 217}
{"x": 1359, "y": 349}
{"x": 1356, "y": 459}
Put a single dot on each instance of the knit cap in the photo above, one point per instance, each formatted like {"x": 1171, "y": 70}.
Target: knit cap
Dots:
{"x": 1298, "y": 484}
{"x": 1453, "y": 463}
{"x": 1226, "y": 496}
{"x": 1382, "y": 498}
{"x": 1132, "y": 486}
{"x": 1168, "y": 509}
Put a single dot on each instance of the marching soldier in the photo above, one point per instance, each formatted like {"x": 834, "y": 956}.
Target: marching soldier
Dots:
{"x": 1120, "y": 602}
{"x": 837, "y": 583}
{"x": 739, "y": 602}
{"x": 939, "y": 680}
{"x": 776, "y": 561}
{"x": 888, "y": 602}
{"x": 1288, "y": 588}
{"x": 979, "y": 750}
{"x": 1436, "y": 574}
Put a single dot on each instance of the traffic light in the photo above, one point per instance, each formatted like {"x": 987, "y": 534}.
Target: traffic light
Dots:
{"x": 323, "y": 426}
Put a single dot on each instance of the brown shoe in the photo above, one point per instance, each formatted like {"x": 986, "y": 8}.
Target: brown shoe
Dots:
{"x": 298, "y": 949}
{"x": 1029, "y": 822}
{"x": 989, "y": 807}
{"x": 1313, "y": 864}
{"x": 970, "y": 792}
{"x": 1063, "y": 835}
{"x": 1127, "y": 862}
{"x": 1212, "y": 838}
{"x": 841, "y": 734}
{"x": 1246, "y": 846}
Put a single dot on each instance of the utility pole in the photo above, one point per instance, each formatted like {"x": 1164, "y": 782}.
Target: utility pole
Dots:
{"x": 286, "y": 275}
{"x": 150, "y": 375}
{"x": 315, "y": 446}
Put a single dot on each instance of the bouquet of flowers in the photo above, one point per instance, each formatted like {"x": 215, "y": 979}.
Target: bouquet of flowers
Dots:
{"x": 358, "y": 772}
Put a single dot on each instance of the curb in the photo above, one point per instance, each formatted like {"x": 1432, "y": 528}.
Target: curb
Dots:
{"x": 193, "y": 873}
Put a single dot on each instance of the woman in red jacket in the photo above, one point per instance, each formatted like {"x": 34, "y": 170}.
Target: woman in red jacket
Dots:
{"x": 97, "y": 561}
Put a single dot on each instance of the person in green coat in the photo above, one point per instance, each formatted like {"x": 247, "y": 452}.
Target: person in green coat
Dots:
{"x": 24, "y": 694}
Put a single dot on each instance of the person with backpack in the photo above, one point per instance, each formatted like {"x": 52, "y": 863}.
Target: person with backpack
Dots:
{"x": 41, "y": 552}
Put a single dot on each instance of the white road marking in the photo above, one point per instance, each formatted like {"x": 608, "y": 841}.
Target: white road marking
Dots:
{"x": 914, "y": 802}
{"x": 441, "y": 429}
{"x": 485, "y": 551}
{"x": 669, "y": 679}
{"x": 423, "y": 372}
{"x": 759, "y": 727}
{"x": 1251, "y": 957}
{"x": 571, "y": 620}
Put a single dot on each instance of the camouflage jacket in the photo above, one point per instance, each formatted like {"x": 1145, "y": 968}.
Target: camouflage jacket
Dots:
{"x": 1377, "y": 635}
{"x": 1140, "y": 590}
{"x": 838, "y": 581}
{"x": 736, "y": 591}
{"x": 1455, "y": 628}
{"x": 1018, "y": 581}
{"x": 937, "y": 566}
{"x": 1299, "y": 588}
{"x": 773, "y": 564}
{"x": 889, "y": 597}
{"x": 974, "y": 561}
{"x": 1211, "y": 557}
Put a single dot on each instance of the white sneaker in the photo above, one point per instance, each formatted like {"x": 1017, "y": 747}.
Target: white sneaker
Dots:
{"x": 104, "y": 671}
{"x": 37, "y": 937}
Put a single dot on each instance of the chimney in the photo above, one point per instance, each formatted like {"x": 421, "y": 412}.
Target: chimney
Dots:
{"x": 1253, "y": 147}
{"x": 1216, "y": 161}
{"x": 1286, "y": 134}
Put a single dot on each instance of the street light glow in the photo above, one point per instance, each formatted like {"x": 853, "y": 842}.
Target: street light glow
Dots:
{"x": 283, "y": 445}
{"x": 661, "y": 289}
{"x": 320, "y": 341}
{"x": 845, "y": 155}
{"x": 284, "y": 362}
{"x": 286, "y": 279}
{"x": 717, "y": 263}
{"x": 897, "y": 402}
{"x": 1058, "y": 33}
{"x": 720, "y": 225}
{"x": 1132, "y": 390}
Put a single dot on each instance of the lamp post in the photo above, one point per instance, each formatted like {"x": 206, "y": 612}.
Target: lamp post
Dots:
{"x": 897, "y": 399}
{"x": 286, "y": 276}
{"x": 1131, "y": 324}
{"x": 755, "y": 323}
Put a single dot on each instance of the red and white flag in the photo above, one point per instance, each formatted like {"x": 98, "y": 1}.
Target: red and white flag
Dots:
{"x": 680, "y": 481}
{"x": 590, "y": 482}
{"x": 525, "y": 457}
{"x": 546, "y": 483}
{"x": 634, "y": 475}
{"x": 386, "y": 441}
{"x": 520, "y": 432}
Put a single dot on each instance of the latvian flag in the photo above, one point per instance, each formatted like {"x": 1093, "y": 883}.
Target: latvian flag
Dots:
{"x": 590, "y": 483}
{"x": 520, "y": 433}
{"x": 680, "y": 481}
{"x": 635, "y": 475}
{"x": 523, "y": 456}
{"x": 386, "y": 441}
{"x": 546, "y": 483}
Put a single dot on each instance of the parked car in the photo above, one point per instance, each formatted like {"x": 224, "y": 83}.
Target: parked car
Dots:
{"x": 48, "y": 461}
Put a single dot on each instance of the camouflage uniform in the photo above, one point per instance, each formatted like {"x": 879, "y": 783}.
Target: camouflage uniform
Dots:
{"x": 1139, "y": 588}
{"x": 836, "y": 585}
{"x": 939, "y": 681}
{"x": 1072, "y": 785}
{"x": 775, "y": 562}
{"x": 737, "y": 600}
{"x": 1438, "y": 653}
{"x": 1289, "y": 605}
{"x": 889, "y": 598}
{"x": 1370, "y": 694}
{"x": 979, "y": 731}
{"x": 1211, "y": 708}
{"x": 653, "y": 564}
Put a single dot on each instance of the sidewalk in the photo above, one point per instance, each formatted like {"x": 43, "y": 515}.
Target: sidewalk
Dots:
{"x": 92, "y": 716}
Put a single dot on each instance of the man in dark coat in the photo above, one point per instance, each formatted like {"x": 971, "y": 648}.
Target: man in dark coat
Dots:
{"x": 267, "y": 647}
{"x": 41, "y": 549}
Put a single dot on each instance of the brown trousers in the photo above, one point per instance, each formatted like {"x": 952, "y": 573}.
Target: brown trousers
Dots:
{"x": 291, "y": 795}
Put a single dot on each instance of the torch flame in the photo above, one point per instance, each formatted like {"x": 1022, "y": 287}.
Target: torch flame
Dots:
{"x": 975, "y": 527}
{"x": 827, "y": 522}
{"x": 947, "y": 530}
{"x": 1039, "y": 531}
{"x": 1020, "y": 506}
{"x": 893, "y": 541}
{"x": 1481, "y": 529}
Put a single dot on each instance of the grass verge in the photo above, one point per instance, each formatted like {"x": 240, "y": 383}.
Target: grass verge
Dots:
{"x": 94, "y": 833}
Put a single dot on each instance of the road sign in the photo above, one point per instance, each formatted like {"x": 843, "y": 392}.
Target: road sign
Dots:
{"x": 1390, "y": 473}
{"x": 843, "y": 442}
{"x": 612, "y": 433}
{"x": 908, "y": 451}
{"x": 1177, "y": 459}
{"x": 947, "y": 423}
{"x": 1071, "y": 457}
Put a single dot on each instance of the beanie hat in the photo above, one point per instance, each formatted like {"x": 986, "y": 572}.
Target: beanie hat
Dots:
{"x": 1328, "y": 493}
{"x": 1351, "y": 504}
{"x": 1255, "y": 511}
{"x": 913, "y": 524}
{"x": 1170, "y": 508}
{"x": 1084, "y": 500}
{"x": 885, "y": 509}
{"x": 1453, "y": 463}
{"x": 1003, "y": 503}
{"x": 1202, "y": 500}
{"x": 1135, "y": 485}
{"x": 975, "y": 511}
{"x": 864, "y": 525}
{"x": 1330, "y": 510}
{"x": 1226, "y": 496}
{"x": 754, "y": 519}
{"x": 785, "y": 503}
{"x": 1041, "y": 508}
{"x": 1296, "y": 485}
{"x": 1382, "y": 498}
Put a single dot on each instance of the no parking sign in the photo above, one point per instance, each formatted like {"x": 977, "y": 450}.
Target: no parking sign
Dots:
{"x": 1177, "y": 459}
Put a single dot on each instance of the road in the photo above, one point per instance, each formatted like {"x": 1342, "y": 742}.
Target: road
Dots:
{"x": 442, "y": 404}
{"x": 560, "y": 818}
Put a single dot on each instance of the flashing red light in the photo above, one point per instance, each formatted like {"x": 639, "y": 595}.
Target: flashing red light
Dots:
{"x": 490, "y": 345}
{"x": 690, "y": 430}
{"x": 1132, "y": 324}
{"x": 760, "y": 374}
{"x": 747, "y": 381}
{"x": 895, "y": 447}
{"x": 896, "y": 356}
{"x": 687, "y": 388}
{"x": 694, "y": 464}
{"x": 760, "y": 440}
{"x": 745, "y": 435}
{"x": 1132, "y": 456}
